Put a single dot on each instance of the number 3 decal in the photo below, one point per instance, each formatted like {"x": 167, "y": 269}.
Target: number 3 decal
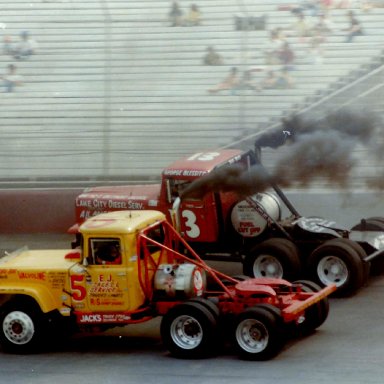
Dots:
{"x": 193, "y": 231}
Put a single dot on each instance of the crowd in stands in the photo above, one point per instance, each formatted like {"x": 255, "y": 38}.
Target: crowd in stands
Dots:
{"x": 310, "y": 28}
{"x": 23, "y": 49}
{"x": 178, "y": 17}
{"x": 234, "y": 82}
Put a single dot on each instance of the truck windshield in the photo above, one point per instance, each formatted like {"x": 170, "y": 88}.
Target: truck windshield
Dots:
{"x": 175, "y": 187}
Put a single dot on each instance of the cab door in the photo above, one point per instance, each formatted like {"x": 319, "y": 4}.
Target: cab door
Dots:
{"x": 198, "y": 219}
{"x": 98, "y": 286}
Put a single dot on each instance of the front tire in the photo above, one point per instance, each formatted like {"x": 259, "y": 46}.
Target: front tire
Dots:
{"x": 21, "y": 328}
{"x": 189, "y": 331}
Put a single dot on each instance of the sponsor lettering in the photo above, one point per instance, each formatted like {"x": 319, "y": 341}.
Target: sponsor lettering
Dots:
{"x": 173, "y": 172}
{"x": 4, "y": 273}
{"x": 94, "y": 318}
{"x": 101, "y": 206}
{"x": 104, "y": 287}
{"x": 185, "y": 172}
{"x": 97, "y": 301}
{"x": 56, "y": 279}
{"x": 194, "y": 173}
{"x": 247, "y": 227}
{"x": 32, "y": 275}
{"x": 97, "y": 318}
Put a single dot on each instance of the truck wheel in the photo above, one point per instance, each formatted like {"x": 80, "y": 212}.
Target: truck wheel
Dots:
{"x": 316, "y": 314}
{"x": 21, "y": 328}
{"x": 335, "y": 262}
{"x": 360, "y": 251}
{"x": 276, "y": 257}
{"x": 189, "y": 330}
{"x": 257, "y": 334}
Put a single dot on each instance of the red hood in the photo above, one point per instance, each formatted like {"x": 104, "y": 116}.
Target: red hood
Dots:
{"x": 96, "y": 200}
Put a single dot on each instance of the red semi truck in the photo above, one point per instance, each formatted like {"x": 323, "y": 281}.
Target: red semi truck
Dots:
{"x": 224, "y": 223}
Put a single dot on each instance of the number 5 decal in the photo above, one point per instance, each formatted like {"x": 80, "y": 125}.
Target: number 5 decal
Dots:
{"x": 193, "y": 231}
{"x": 78, "y": 290}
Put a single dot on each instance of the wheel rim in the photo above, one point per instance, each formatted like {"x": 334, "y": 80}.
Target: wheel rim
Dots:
{"x": 267, "y": 266}
{"x": 186, "y": 332}
{"x": 18, "y": 328}
{"x": 332, "y": 270}
{"x": 252, "y": 336}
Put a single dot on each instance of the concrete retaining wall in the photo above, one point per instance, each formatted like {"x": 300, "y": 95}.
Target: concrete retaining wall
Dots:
{"x": 53, "y": 210}
{"x": 37, "y": 210}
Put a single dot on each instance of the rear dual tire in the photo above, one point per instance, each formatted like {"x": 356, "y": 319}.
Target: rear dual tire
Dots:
{"x": 339, "y": 261}
{"x": 258, "y": 333}
{"x": 273, "y": 258}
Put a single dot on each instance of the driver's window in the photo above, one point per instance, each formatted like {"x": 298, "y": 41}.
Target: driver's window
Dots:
{"x": 105, "y": 251}
{"x": 176, "y": 187}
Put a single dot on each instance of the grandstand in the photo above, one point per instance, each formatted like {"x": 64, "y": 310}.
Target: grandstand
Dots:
{"x": 115, "y": 93}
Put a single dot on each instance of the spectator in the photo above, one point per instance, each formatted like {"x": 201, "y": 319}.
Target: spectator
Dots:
{"x": 229, "y": 83}
{"x": 269, "y": 82}
{"x": 301, "y": 27}
{"x": 25, "y": 48}
{"x": 316, "y": 49}
{"x": 285, "y": 80}
{"x": 193, "y": 17}
{"x": 212, "y": 57}
{"x": 276, "y": 41}
{"x": 354, "y": 29}
{"x": 246, "y": 82}
{"x": 324, "y": 25}
{"x": 175, "y": 14}
{"x": 368, "y": 5}
{"x": 287, "y": 57}
{"x": 326, "y": 5}
{"x": 7, "y": 45}
{"x": 11, "y": 78}
{"x": 308, "y": 7}
{"x": 273, "y": 81}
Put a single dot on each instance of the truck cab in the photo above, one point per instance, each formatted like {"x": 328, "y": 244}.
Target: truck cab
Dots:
{"x": 203, "y": 219}
{"x": 108, "y": 279}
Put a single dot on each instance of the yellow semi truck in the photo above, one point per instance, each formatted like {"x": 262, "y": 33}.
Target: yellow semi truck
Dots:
{"x": 132, "y": 266}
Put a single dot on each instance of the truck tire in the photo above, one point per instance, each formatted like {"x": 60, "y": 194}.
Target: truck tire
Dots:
{"x": 257, "y": 334}
{"x": 336, "y": 262}
{"x": 189, "y": 331}
{"x": 361, "y": 252}
{"x": 316, "y": 314}
{"x": 275, "y": 257}
{"x": 213, "y": 308}
{"x": 21, "y": 328}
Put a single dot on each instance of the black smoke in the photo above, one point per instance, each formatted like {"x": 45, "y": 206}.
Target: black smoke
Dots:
{"x": 316, "y": 150}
